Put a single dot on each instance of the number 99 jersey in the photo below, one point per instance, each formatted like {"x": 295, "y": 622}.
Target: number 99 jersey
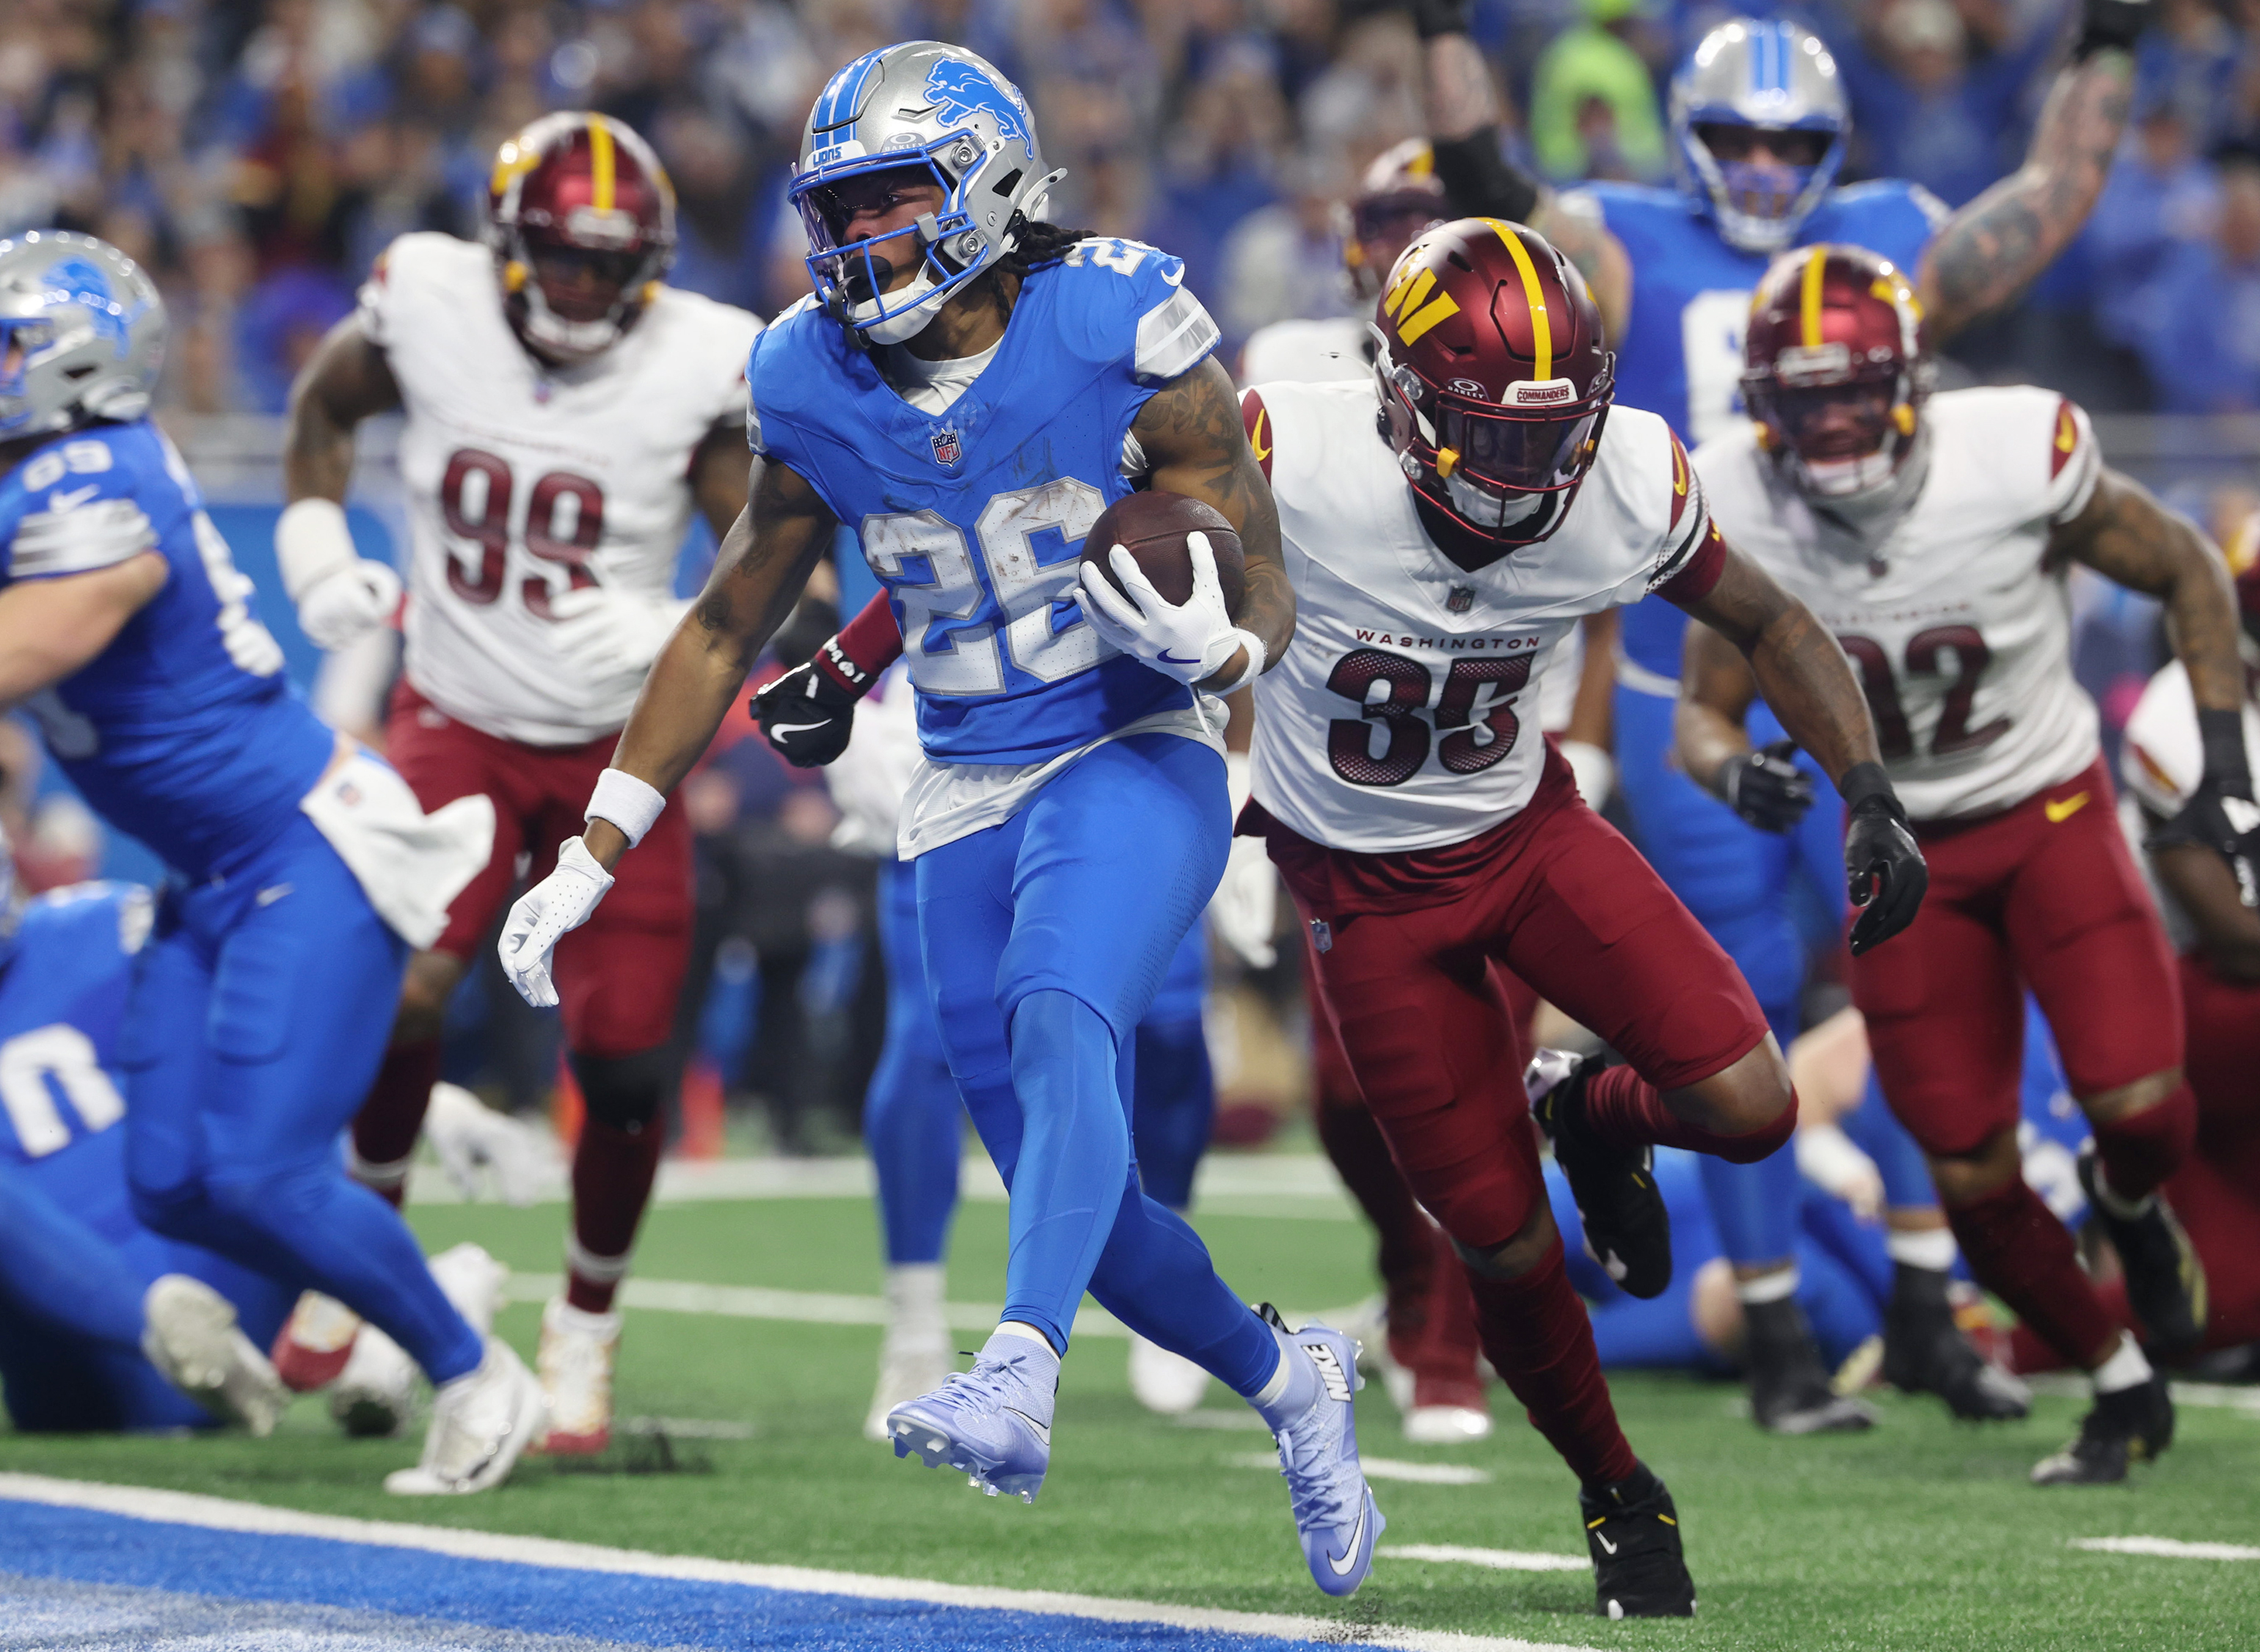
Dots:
{"x": 526, "y": 482}
{"x": 1957, "y": 620}
{"x": 973, "y": 516}
{"x": 1406, "y": 715}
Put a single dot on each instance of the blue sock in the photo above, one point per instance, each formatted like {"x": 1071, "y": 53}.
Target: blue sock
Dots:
{"x": 1074, "y": 1158}
{"x": 1156, "y": 1277}
{"x": 1878, "y": 1133}
{"x": 1753, "y": 1206}
{"x": 1174, "y": 1104}
{"x": 58, "y": 1270}
{"x": 914, "y": 1118}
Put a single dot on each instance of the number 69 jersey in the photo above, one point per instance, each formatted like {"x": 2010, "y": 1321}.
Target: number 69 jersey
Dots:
{"x": 524, "y": 483}
{"x": 1406, "y": 715}
{"x": 1956, "y": 621}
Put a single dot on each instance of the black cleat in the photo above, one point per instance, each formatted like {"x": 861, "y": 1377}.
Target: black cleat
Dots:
{"x": 1632, "y": 1531}
{"x": 1926, "y": 1353}
{"x": 2127, "y": 1426}
{"x": 1628, "y": 1229}
{"x": 2165, "y": 1279}
{"x": 1790, "y": 1392}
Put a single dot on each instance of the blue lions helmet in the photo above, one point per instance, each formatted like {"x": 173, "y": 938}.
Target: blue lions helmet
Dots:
{"x": 949, "y": 116}
{"x": 1753, "y": 87}
{"x": 82, "y": 333}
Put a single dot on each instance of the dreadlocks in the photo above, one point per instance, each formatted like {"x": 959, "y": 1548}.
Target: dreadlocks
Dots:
{"x": 1036, "y": 244}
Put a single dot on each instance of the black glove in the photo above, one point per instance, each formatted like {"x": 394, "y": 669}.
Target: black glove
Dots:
{"x": 1885, "y": 875}
{"x": 2207, "y": 819}
{"x": 1766, "y": 788}
{"x": 1433, "y": 17}
{"x": 2111, "y": 25}
{"x": 807, "y": 715}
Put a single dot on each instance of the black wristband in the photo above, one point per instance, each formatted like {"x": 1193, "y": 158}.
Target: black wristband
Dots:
{"x": 2110, "y": 25}
{"x": 2222, "y": 735}
{"x": 1479, "y": 181}
{"x": 1434, "y": 18}
{"x": 1866, "y": 785}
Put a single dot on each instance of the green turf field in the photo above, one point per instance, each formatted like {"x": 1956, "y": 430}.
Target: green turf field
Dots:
{"x": 1921, "y": 1534}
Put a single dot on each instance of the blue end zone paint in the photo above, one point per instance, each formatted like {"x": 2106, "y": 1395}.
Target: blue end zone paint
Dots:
{"x": 43, "y": 1542}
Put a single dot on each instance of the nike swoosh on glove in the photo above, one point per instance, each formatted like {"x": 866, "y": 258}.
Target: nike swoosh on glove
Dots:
{"x": 609, "y": 635}
{"x": 1191, "y": 640}
{"x": 2209, "y": 820}
{"x": 1767, "y": 788}
{"x": 558, "y": 904}
{"x": 1885, "y": 871}
{"x": 343, "y": 607}
{"x": 806, "y": 716}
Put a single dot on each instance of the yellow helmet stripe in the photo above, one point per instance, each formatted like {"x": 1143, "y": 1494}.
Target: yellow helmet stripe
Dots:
{"x": 1809, "y": 307}
{"x": 600, "y": 164}
{"x": 1541, "y": 325}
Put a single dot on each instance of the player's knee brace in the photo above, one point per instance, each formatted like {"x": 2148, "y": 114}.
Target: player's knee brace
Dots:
{"x": 624, "y": 1091}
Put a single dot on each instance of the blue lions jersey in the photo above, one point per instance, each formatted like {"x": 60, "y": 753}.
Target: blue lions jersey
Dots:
{"x": 973, "y": 517}
{"x": 183, "y": 732}
{"x": 1680, "y": 355}
{"x": 62, "y": 999}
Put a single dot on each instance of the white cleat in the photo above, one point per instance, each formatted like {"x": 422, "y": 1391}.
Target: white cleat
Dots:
{"x": 1446, "y": 1425}
{"x": 476, "y": 1145}
{"x": 472, "y": 1280}
{"x": 575, "y": 1362}
{"x": 480, "y": 1423}
{"x": 375, "y": 1394}
{"x": 910, "y": 1365}
{"x": 189, "y": 1334}
{"x": 1164, "y": 1382}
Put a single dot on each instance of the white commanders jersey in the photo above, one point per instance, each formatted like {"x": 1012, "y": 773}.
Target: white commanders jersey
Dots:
{"x": 1957, "y": 623}
{"x": 1404, "y": 715}
{"x": 1336, "y": 347}
{"x": 524, "y": 483}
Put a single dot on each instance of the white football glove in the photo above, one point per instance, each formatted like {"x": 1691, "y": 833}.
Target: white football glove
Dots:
{"x": 343, "y": 607}
{"x": 607, "y": 635}
{"x": 1594, "y": 770}
{"x": 560, "y": 903}
{"x": 1191, "y": 641}
{"x": 469, "y": 1137}
{"x": 1245, "y": 908}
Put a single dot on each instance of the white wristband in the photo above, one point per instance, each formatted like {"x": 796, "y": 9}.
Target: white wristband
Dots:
{"x": 1256, "y": 656}
{"x": 311, "y": 542}
{"x": 629, "y": 803}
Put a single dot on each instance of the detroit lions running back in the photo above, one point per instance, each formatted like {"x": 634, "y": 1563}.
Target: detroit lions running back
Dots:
{"x": 303, "y": 869}
{"x": 970, "y": 387}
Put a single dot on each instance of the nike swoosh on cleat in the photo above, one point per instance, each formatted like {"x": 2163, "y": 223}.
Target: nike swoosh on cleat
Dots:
{"x": 1042, "y": 1433}
{"x": 1604, "y": 1542}
{"x": 1167, "y": 658}
{"x": 1348, "y": 1561}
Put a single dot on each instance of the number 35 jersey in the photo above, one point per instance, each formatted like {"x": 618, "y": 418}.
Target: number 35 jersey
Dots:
{"x": 524, "y": 483}
{"x": 1955, "y": 620}
{"x": 973, "y": 517}
{"x": 1406, "y": 715}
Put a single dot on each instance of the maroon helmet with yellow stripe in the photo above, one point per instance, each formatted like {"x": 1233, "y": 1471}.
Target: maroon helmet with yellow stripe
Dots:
{"x": 581, "y": 216}
{"x": 1399, "y": 196}
{"x": 1835, "y": 375}
{"x": 1495, "y": 378}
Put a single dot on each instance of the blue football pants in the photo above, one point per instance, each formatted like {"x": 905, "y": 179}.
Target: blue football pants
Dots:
{"x": 1045, "y": 941}
{"x": 261, "y": 1007}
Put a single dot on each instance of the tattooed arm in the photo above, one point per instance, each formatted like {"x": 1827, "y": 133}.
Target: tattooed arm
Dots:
{"x": 1191, "y": 435}
{"x": 1986, "y": 255}
{"x": 764, "y": 561}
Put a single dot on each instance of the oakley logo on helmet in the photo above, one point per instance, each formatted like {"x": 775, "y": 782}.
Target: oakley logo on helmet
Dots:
{"x": 1466, "y": 387}
{"x": 957, "y": 90}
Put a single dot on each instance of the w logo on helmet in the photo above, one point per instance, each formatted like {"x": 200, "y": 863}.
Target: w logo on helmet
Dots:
{"x": 960, "y": 89}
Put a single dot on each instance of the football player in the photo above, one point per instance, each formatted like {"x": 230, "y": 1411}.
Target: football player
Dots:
{"x": 1069, "y": 819}
{"x": 1430, "y": 840}
{"x": 1933, "y": 534}
{"x": 1760, "y": 123}
{"x": 567, "y": 414}
{"x": 305, "y": 868}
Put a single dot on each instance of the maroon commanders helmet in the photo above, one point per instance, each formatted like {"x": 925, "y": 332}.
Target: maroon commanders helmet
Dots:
{"x": 1495, "y": 379}
{"x": 582, "y": 220}
{"x": 1399, "y": 196}
{"x": 1835, "y": 375}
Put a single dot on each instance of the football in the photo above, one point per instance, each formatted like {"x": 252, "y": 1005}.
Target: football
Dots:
{"x": 1152, "y": 526}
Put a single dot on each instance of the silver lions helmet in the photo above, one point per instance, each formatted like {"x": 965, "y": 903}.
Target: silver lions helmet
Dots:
{"x": 1759, "y": 121}
{"x": 948, "y": 115}
{"x": 82, "y": 333}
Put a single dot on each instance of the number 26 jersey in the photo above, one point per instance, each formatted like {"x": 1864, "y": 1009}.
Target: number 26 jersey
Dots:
{"x": 1404, "y": 716}
{"x": 525, "y": 483}
{"x": 1956, "y": 620}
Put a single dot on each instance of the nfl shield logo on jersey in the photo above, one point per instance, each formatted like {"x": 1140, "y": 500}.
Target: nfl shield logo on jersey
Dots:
{"x": 1462, "y": 599}
{"x": 947, "y": 450}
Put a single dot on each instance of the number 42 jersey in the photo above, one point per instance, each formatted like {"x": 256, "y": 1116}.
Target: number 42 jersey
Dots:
{"x": 1956, "y": 619}
{"x": 1404, "y": 716}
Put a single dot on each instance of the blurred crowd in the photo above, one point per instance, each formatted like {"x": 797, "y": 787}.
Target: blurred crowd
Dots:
{"x": 259, "y": 155}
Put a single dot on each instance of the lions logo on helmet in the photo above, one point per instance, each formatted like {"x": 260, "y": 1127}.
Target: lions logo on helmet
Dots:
{"x": 959, "y": 89}
{"x": 88, "y": 332}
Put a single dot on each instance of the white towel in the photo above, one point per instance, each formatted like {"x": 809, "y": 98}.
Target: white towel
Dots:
{"x": 411, "y": 864}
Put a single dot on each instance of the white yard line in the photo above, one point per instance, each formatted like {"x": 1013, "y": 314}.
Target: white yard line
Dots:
{"x": 1497, "y": 1559}
{"x": 2211, "y": 1396}
{"x": 2166, "y": 1548}
{"x": 1385, "y": 1468}
{"x": 182, "y": 1508}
